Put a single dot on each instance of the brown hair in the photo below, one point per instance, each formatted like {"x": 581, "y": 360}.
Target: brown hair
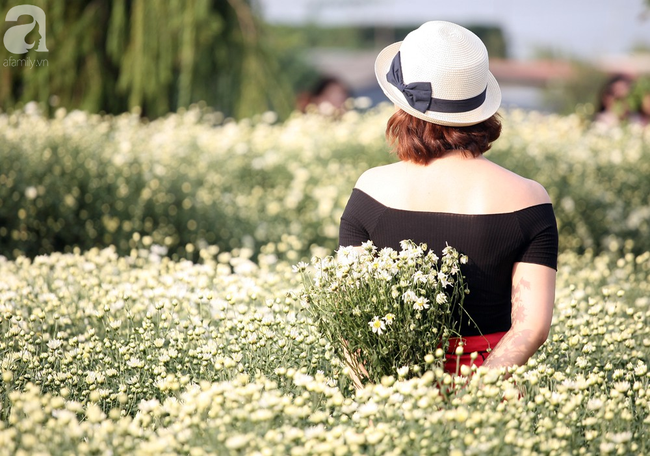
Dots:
{"x": 419, "y": 141}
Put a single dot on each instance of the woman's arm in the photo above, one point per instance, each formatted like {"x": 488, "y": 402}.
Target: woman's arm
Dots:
{"x": 533, "y": 295}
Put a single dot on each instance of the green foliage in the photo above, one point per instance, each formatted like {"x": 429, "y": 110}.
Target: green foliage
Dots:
{"x": 118, "y": 55}
{"x": 578, "y": 94}
{"x": 292, "y": 52}
{"x": 640, "y": 91}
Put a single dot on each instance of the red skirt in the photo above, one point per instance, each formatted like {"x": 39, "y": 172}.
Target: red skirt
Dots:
{"x": 480, "y": 344}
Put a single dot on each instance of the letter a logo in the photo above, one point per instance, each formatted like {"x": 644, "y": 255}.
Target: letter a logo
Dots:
{"x": 14, "y": 39}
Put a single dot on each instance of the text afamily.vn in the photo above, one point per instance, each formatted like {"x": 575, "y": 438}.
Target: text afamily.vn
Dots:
{"x": 27, "y": 63}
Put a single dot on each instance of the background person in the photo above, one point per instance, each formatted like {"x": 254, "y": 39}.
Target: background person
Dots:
{"x": 329, "y": 95}
{"x": 613, "y": 107}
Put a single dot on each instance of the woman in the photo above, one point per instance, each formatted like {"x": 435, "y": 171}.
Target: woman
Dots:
{"x": 613, "y": 104}
{"x": 443, "y": 190}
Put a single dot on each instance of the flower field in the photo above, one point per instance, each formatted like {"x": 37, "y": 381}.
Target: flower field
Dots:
{"x": 194, "y": 179}
{"x": 149, "y": 304}
{"x": 104, "y": 354}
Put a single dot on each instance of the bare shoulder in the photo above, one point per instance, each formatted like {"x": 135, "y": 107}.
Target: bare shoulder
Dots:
{"x": 373, "y": 179}
{"x": 525, "y": 192}
{"x": 536, "y": 192}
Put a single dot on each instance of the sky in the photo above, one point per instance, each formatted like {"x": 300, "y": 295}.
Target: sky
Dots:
{"x": 586, "y": 29}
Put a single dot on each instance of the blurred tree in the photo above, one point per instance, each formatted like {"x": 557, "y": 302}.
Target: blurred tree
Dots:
{"x": 578, "y": 94}
{"x": 375, "y": 37}
{"x": 115, "y": 55}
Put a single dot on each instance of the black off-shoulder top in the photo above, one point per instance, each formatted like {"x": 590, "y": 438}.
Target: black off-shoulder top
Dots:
{"x": 493, "y": 243}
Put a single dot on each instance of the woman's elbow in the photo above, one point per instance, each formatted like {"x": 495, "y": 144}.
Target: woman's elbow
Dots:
{"x": 540, "y": 335}
{"x": 530, "y": 336}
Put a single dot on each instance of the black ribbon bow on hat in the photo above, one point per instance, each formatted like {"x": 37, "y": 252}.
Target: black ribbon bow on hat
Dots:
{"x": 420, "y": 95}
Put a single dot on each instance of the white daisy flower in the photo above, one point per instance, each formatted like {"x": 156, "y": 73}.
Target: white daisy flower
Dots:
{"x": 409, "y": 296}
{"x": 378, "y": 326}
{"x": 421, "y": 303}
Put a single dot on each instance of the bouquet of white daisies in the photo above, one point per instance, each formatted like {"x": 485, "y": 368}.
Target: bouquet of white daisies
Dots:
{"x": 386, "y": 312}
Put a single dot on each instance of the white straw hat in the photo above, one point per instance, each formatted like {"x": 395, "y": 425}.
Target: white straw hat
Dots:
{"x": 440, "y": 73}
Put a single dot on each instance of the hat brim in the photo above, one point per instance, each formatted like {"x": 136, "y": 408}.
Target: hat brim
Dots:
{"x": 456, "y": 119}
